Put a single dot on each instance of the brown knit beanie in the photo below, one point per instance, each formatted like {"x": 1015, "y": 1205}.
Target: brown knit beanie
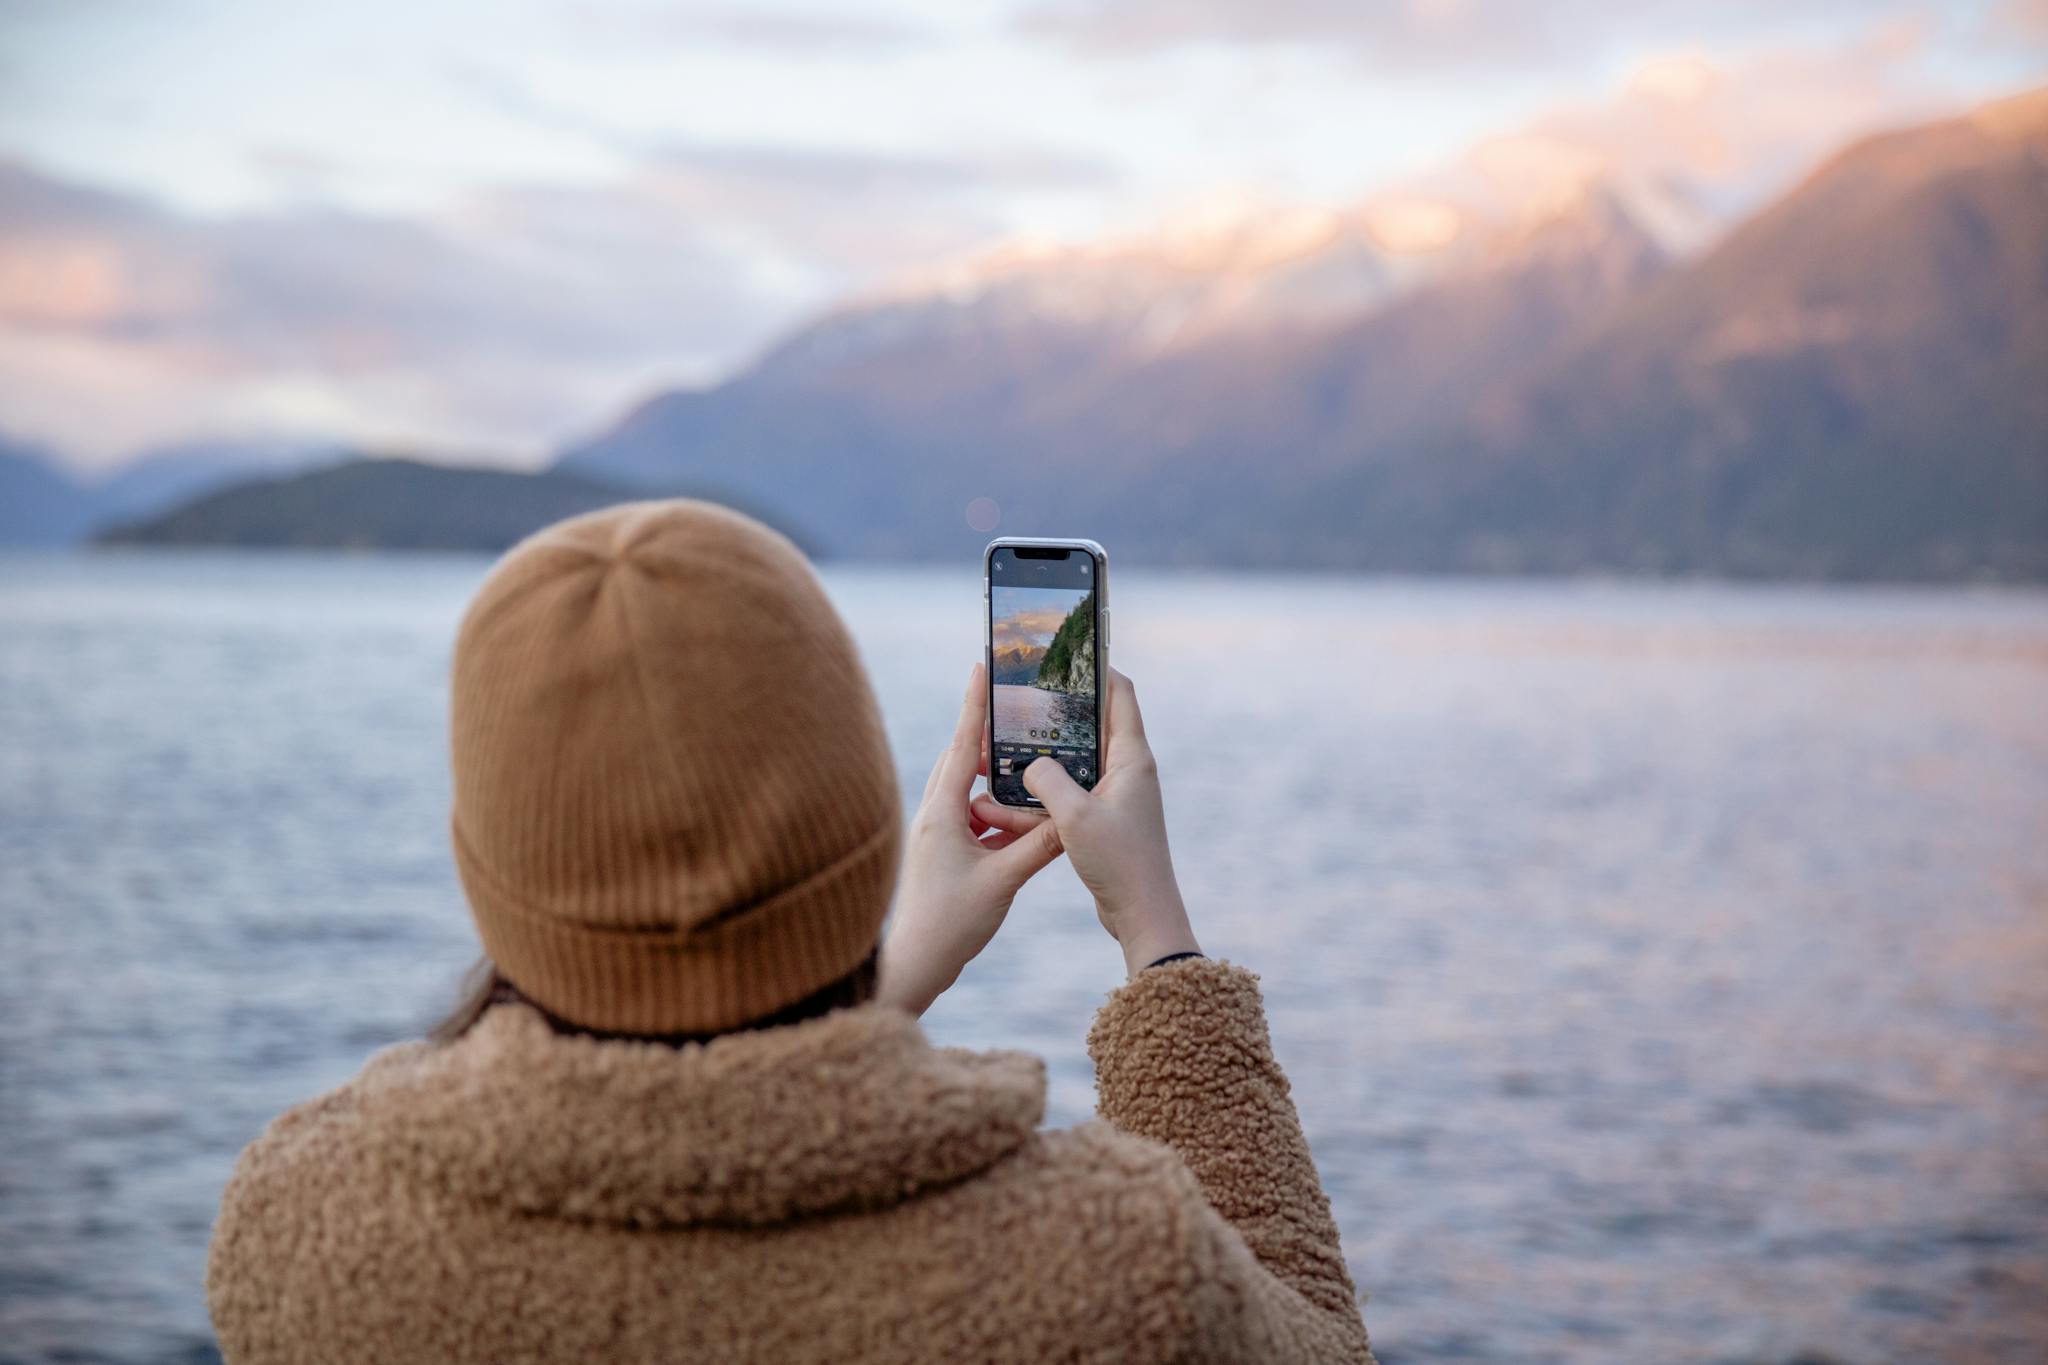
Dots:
{"x": 675, "y": 808}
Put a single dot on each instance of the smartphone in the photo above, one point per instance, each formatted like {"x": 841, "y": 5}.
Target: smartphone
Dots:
{"x": 1045, "y": 624}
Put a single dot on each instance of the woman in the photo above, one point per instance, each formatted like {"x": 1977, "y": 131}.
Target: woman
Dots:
{"x": 690, "y": 1115}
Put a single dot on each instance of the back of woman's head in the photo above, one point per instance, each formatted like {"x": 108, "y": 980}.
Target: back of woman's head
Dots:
{"x": 675, "y": 809}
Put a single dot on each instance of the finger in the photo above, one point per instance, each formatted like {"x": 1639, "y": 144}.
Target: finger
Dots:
{"x": 1125, "y": 743}
{"x": 975, "y": 824}
{"x": 957, "y": 764}
{"x": 1125, "y": 717}
{"x": 1002, "y": 838}
{"x": 941, "y": 769}
{"x": 983, "y": 769}
{"x": 992, "y": 812}
{"x": 1057, "y": 792}
{"x": 1026, "y": 854}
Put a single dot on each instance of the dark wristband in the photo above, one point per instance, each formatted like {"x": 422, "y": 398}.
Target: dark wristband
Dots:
{"x": 1170, "y": 957}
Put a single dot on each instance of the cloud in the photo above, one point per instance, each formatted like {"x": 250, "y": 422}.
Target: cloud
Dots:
{"x": 794, "y": 30}
{"x": 1028, "y": 627}
{"x": 515, "y": 317}
{"x": 502, "y": 323}
{"x": 782, "y": 167}
{"x": 781, "y": 30}
{"x": 1694, "y": 141}
{"x": 859, "y": 217}
{"x": 2025, "y": 19}
{"x": 835, "y": 215}
{"x": 1442, "y": 33}
{"x": 840, "y": 171}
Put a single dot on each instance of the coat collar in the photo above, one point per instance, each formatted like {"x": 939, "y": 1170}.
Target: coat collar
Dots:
{"x": 851, "y": 1110}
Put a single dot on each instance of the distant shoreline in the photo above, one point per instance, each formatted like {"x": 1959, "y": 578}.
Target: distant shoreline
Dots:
{"x": 1587, "y": 582}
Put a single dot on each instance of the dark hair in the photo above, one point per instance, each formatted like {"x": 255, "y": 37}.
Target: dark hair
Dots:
{"x": 484, "y": 986}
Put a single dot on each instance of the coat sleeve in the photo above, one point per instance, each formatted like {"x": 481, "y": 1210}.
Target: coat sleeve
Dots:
{"x": 1182, "y": 1058}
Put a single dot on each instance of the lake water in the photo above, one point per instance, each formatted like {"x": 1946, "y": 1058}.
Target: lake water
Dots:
{"x": 1030, "y": 715}
{"x": 1662, "y": 971}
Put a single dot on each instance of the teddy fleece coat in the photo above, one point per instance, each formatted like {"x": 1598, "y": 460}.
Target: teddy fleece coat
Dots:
{"x": 835, "y": 1190}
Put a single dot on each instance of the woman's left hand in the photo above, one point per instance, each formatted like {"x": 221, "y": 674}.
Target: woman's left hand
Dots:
{"x": 966, "y": 859}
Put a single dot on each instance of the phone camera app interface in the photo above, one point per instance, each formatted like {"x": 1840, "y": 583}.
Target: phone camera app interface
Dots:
{"x": 1043, "y": 685}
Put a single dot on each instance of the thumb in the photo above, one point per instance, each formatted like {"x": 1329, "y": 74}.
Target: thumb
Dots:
{"x": 1060, "y": 794}
{"x": 1029, "y": 852}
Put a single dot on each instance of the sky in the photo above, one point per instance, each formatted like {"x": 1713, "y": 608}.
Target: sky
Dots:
{"x": 481, "y": 228}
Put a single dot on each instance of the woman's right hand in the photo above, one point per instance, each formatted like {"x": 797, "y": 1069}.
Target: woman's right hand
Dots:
{"x": 1115, "y": 836}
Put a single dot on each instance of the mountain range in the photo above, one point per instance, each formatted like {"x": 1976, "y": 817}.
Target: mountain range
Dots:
{"x": 386, "y": 504}
{"x": 1852, "y": 383}
{"x": 1017, "y": 664}
{"x": 367, "y": 502}
{"x": 44, "y": 503}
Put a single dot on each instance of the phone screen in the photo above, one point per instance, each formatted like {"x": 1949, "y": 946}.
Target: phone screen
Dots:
{"x": 1044, "y": 666}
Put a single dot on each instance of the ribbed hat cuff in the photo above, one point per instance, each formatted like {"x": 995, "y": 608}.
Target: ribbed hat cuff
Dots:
{"x": 701, "y": 978}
